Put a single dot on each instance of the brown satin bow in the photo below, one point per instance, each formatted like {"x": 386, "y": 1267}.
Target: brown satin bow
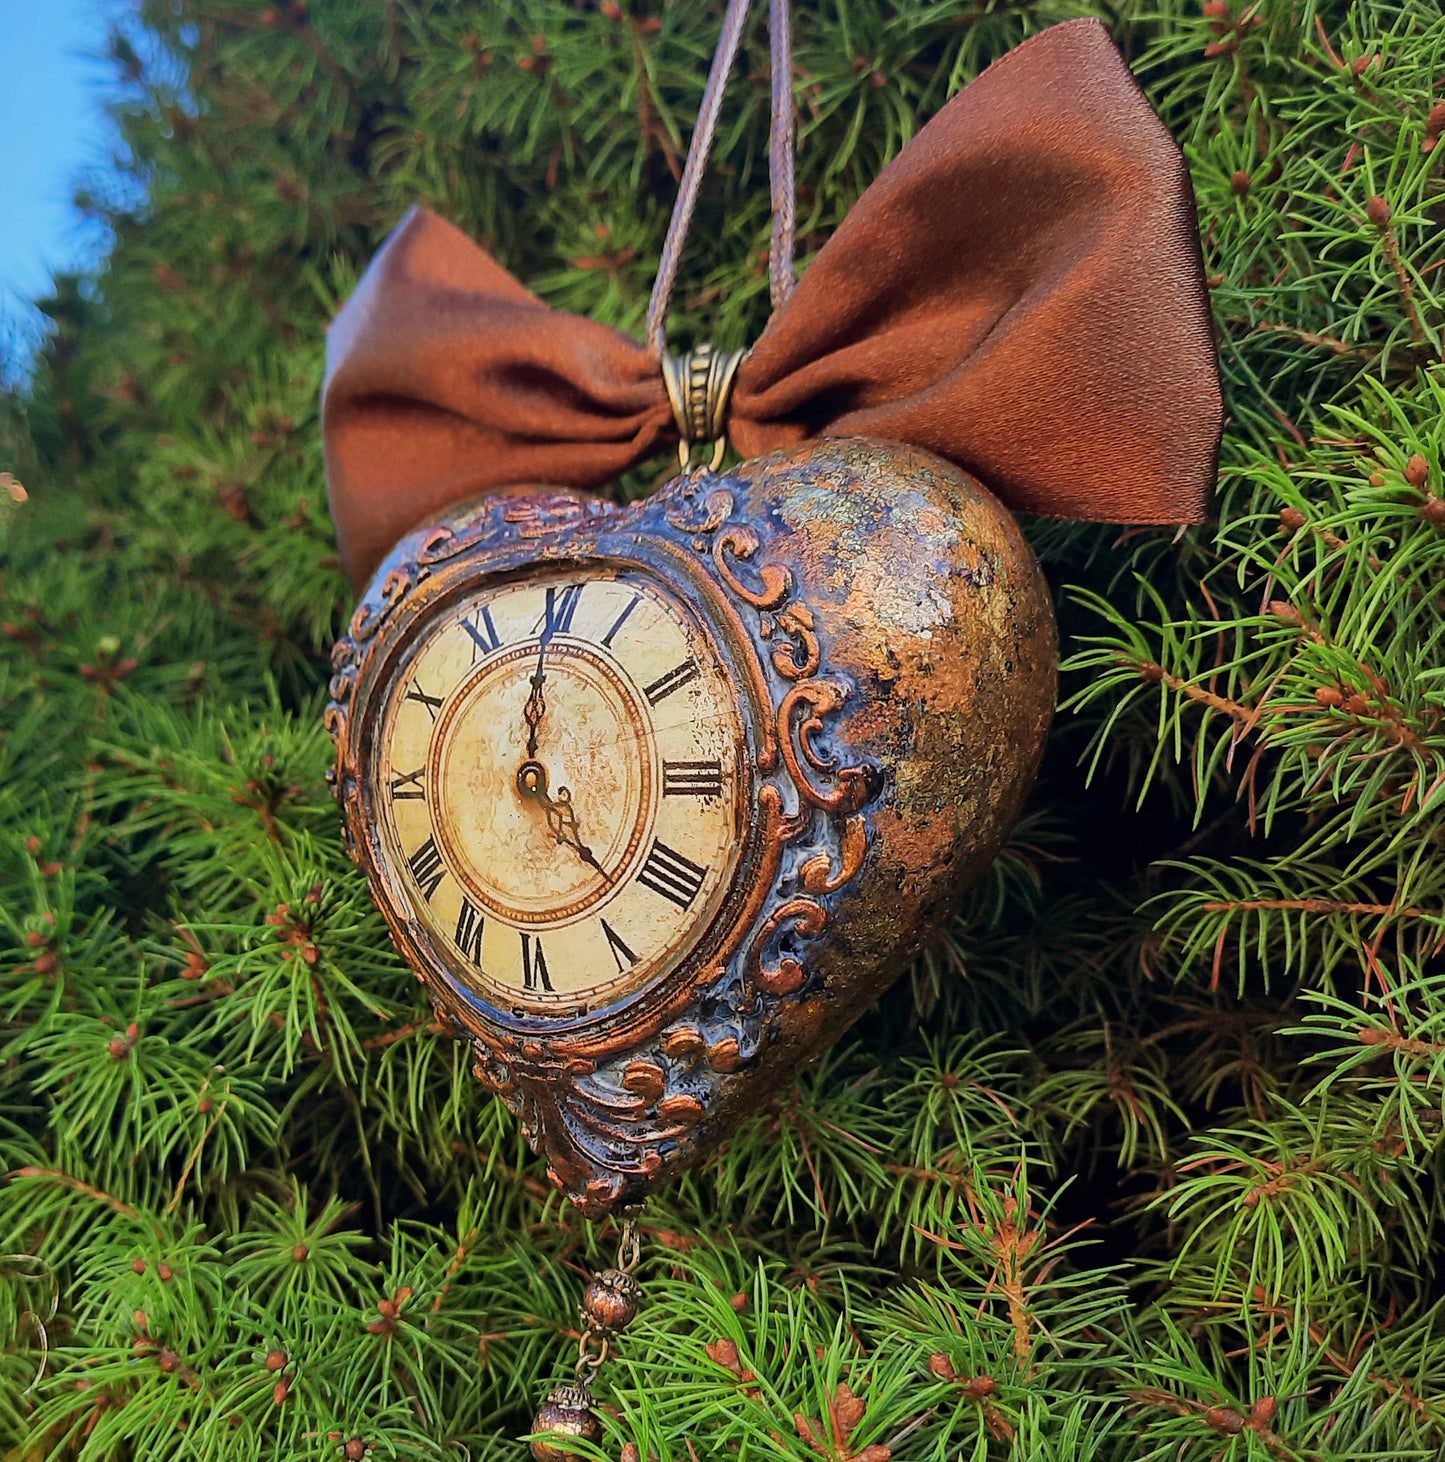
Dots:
{"x": 1020, "y": 291}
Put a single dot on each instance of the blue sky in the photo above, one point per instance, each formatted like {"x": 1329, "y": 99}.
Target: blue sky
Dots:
{"x": 52, "y": 128}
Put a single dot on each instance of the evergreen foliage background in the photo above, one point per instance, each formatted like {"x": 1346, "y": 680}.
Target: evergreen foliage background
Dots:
{"x": 1142, "y": 1161}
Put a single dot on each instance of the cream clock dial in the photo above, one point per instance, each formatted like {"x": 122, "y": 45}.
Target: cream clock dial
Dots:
{"x": 560, "y": 788}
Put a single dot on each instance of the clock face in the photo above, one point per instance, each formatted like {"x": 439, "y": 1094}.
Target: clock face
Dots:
{"x": 558, "y": 777}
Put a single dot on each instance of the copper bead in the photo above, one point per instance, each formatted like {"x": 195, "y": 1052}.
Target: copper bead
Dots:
{"x": 610, "y": 1302}
{"x": 568, "y": 1413}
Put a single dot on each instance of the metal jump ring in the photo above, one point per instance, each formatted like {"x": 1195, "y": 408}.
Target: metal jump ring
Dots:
{"x": 699, "y": 387}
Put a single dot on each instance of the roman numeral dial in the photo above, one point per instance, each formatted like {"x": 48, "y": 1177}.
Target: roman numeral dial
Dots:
{"x": 535, "y": 976}
{"x": 560, "y": 787}
{"x": 433, "y": 703}
{"x": 618, "y": 945}
{"x": 558, "y": 609}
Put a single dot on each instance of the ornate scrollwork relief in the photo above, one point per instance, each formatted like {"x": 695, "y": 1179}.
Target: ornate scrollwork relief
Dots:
{"x": 604, "y": 1128}
{"x": 539, "y": 514}
{"x": 787, "y": 625}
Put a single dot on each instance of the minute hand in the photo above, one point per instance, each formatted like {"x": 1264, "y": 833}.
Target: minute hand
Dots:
{"x": 536, "y": 706}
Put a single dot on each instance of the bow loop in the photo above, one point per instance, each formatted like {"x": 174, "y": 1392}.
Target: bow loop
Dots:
{"x": 1020, "y": 291}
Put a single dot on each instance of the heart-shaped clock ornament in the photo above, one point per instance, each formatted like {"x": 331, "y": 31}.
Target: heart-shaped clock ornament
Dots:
{"x": 786, "y": 715}
{"x": 658, "y": 798}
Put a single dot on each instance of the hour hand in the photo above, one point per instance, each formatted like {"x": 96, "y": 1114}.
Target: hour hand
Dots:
{"x": 561, "y": 816}
{"x": 562, "y": 821}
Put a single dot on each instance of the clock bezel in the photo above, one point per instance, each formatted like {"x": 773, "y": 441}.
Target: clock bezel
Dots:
{"x": 424, "y": 600}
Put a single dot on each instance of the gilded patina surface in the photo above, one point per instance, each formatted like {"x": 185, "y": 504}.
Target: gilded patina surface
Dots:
{"x": 893, "y": 649}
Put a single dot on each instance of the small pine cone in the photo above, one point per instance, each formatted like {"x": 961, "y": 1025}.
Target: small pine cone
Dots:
{"x": 610, "y": 1301}
{"x": 568, "y": 1412}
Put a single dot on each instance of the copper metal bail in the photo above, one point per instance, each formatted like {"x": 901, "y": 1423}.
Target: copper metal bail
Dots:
{"x": 699, "y": 386}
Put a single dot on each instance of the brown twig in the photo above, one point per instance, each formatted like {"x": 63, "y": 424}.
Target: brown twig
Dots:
{"x": 1405, "y": 1045}
{"x": 1378, "y": 211}
{"x": 1327, "y": 342}
{"x": 1151, "y": 670}
{"x": 649, "y": 124}
{"x": 66, "y": 1181}
{"x": 1314, "y": 906}
{"x": 464, "y": 1245}
{"x": 390, "y": 1038}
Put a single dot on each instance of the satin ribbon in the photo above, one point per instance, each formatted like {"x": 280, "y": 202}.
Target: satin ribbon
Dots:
{"x": 1020, "y": 291}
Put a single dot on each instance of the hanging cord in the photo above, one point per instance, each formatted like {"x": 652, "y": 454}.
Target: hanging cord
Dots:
{"x": 781, "y": 278}
{"x": 703, "y": 133}
{"x": 780, "y": 164}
